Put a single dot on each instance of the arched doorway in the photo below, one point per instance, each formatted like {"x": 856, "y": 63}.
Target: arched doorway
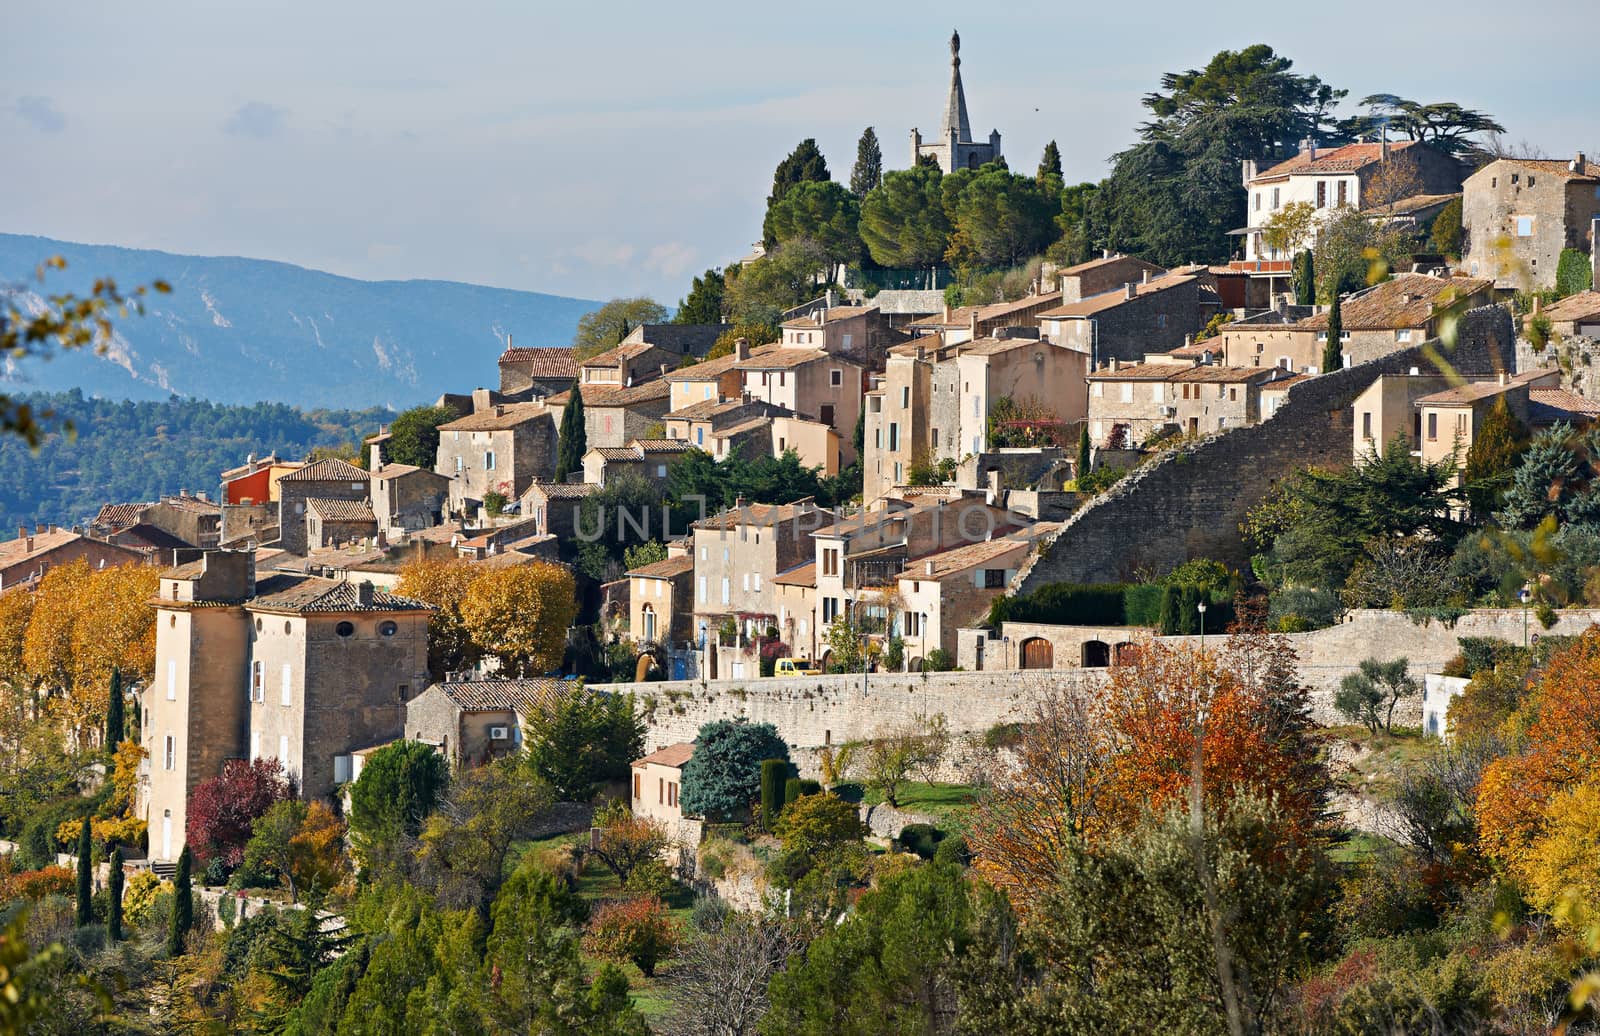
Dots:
{"x": 1096, "y": 654}
{"x": 916, "y": 664}
{"x": 649, "y": 623}
{"x": 1036, "y": 653}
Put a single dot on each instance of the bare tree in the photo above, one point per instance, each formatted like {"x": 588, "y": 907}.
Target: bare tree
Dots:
{"x": 720, "y": 983}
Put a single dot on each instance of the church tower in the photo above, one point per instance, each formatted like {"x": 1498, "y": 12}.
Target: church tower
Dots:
{"x": 954, "y": 148}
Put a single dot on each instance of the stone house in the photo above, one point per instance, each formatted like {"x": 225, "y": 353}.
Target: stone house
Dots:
{"x": 943, "y": 592}
{"x": 812, "y": 383}
{"x": 28, "y": 557}
{"x": 1362, "y": 176}
{"x": 657, "y": 780}
{"x": 966, "y": 323}
{"x": 650, "y": 459}
{"x": 1395, "y": 314}
{"x": 1271, "y": 338}
{"x": 1519, "y": 214}
{"x": 1576, "y": 316}
{"x": 196, "y": 520}
{"x": 502, "y": 447}
{"x": 796, "y": 593}
{"x": 297, "y": 668}
{"x": 256, "y": 480}
{"x": 860, "y": 333}
{"x": 1451, "y": 418}
{"x": 1017, "y": 366}
{"x": 534, "y": 373}
{"x": 334, "y": 523}
{"x": 474, "y": 721}
{"x": 895, "y": 433}
{"x": 1108, "y": 273}
{"x": 330, "y": 479}
{"x": 738, "y": 552}
{"x": 817, "y": 445}
{"x": 681, "y": 340}
{"x": 709, "y": 381}
{"x": 555, "y": 507}
{"x": 1152, "y": 315}
{"x": 406, "y": 498}
{"x": 1129, "y": 404}
{"x": 614, "y": 414}
{"x": 1388, "y": 407}
{"x": 631, "y": 363}
{"x": 661, "y": 601}
{"x": 699, "y": 423}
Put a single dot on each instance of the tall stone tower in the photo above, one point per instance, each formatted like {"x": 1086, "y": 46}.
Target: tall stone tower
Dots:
{"x": 954, "y": 148}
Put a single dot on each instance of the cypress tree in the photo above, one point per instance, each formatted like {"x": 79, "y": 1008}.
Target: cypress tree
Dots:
{"x": 574, "y": 439}
{"x": 182, "y": 905}
{"x": 1332, "y": 359}
{"x": 868, "y": 171}
{"x": 85, "y": 874}
{"x": 114, "y": 890}
{"x": 774, "y": 775}
{"x": 114, "y": 720}
{"x": 1083, "y": 453}
{"x": 1170, "y": 618}
{"x": 1305, "y": 278}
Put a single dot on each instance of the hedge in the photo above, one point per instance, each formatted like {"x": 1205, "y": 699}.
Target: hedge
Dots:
{"x": 1112, "y": 604}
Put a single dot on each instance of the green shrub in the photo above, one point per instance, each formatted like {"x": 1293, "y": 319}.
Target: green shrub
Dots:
{"x": 1100, "y": 479}
{"x": 1481, "y": 653}
{"x": 494, "y": 502}
{"x": 953, "y": 850}
{"x": 922, "y": 839}
{"x": 774, "y": 775}
{"x": 1574, "y": 272}
{"x": 1002, "y": 735}
{"x": 797, "y": 787}
{"x": 1314, "y": 607}
{"x": 938, "y": 661}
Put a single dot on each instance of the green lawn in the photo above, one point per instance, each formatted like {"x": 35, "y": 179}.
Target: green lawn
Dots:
{"x": 948, "y": 803}
{"x": 651, "y": 996}
{"x": 1357, "y": 847}
{"x": 1376, "y": 774}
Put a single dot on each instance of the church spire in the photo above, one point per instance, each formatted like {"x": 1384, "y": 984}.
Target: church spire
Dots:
{"x": 955, "y": 109}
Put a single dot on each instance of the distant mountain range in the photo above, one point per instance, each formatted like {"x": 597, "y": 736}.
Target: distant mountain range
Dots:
{"x": 247, "y": 330}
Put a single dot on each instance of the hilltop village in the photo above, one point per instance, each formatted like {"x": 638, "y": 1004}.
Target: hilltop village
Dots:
{"x": 953, "y": 481}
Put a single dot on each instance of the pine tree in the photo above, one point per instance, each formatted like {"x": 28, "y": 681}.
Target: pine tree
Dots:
{"x": 868, "y": 171}
{"x": 1049, "y": 175}
{"x": 704, "y": 302}
{"x": 1332, "y": 358}
{"x": 114, "y": 891}
{"x": 1305, "y": 278}
{"x": 574, "y": 438}
{"x": 114, "y": 720}
{"x": 805, "y": 163}
{"x": 182, "y": 905}
{"x": 1083, "y": 453}
{"x": 85, "y": 873}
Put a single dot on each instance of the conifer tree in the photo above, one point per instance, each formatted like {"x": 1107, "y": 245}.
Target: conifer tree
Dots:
{"x": 1496, "y": 447}
{"x": 114, "y": 891}
{"x": 868, "y": 171}
{"x": 114, "y": 717}
{"x": 1083, "y": 453}
{"x": 1049, "y": 175}
{"x": 85, "y": 873}
{"x": 182, "y": 905}
{"x": 1305, "y": 278}
{"x": 1332, "y": 359}
{"x": 574, "y": 438}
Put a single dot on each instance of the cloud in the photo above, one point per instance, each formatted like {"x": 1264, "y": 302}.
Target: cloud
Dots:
{"x": 672, "y": 259}
{"x": 255, "y": 119}
{"x": 40, "y": 113}
{"x": 604, "y": 253}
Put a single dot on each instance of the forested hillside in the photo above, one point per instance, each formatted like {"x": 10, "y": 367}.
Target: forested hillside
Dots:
{"x": 139, "y": 450}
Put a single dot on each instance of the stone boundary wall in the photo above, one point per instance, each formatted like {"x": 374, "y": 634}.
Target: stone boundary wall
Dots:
{"x": 1189, "y": 502}
{"x": 811, "y": 712}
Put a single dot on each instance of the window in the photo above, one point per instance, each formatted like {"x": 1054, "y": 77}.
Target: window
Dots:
{"x": 257, "y": 684}
{"x": 747, "y": 582}
{"x": 994, "y": 578}
{"x": 1156, "y": 391}
{"x": 1233, "y": 394}
{"x": 725, "y": 590}
{"x": 877, "y": 438}
{"x": 836, "y": 377}
{"x": 1515, "y": 177}
{"x": 286, "y": 692}
{"x": 702, "y": 553}
{"x": 661, "y": 470}
{"x": 1322, "y": 194}
{"x": 1403, "y": 335}
{"x": 905, "y": 397}
{"x": 172, "y": 679}
{"x": 636, "y": 787}
{"x": 283, "y": 750}
{"x": 700, "y": 436}
{"x": 1261, "y": 347}
{"x": 345, "y": 629}
{"x": 1275, "y": 198}
{"x": 1099, "y": 388}
{"x": 845, "y": 340}
{"x": 898, "y": 479}
{"x": 388, "y": 628}
{"x": 830, "y": 561}
{"x": 1344, "y": 336}
{"x": 1433, "y": 427}
{"x": 1531, "y": 180}
{"x": 894, "y": 436}
{"x": 977, "y": 407}
{"x": 830, "y": 609}
{"x": 826, "y": 414}
{"x": 1127, "y": 392}
{"x": 702, "y": 593}
{"x": 488, "y": 460}
{"x": 1161, "y": 320}
{"x": 170, "y": 757}
{"x": 1344, "y": 192}
{"x": 174, "y": 590}
{"x": 1258, "y": 201}
{"x": 402, "y": 692}
{"x": 1186, "y": 392}
{"x": 460, "y": 464}
{"x": 1524, "y": 226}
{"x": 758, "y": 582}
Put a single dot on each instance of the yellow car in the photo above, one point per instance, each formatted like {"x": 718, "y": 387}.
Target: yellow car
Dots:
{"x": 795, "y": 667}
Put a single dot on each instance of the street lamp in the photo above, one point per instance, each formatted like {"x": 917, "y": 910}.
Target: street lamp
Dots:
{"x": 1524, "y": 595}
{"x": 1201, "y": 608}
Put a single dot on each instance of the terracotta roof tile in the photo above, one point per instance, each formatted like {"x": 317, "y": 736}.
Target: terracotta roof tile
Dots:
{"x": 617, "y": 395}
{"x": 1117, "y": 297}
{"x": 1346, "y": 159}
{"x": 1409, "y": 300}
{"x": 1561, "y": 399}
{"x": 519, "y": 696}
{"x": 291, "y": 593}
{"x": 665, "y": 569}
{"x": 330, "y": 470}
{"x": 672, "y": 755}
{"x": 341, "y": 510}
{"x": 489, "y": 420}
{"x": 1558, "y": 167}
{"x": 563, "y": 490}
{"x": 786, "y": 359}
{"x": 1581, "y": 306}
{"x": 542, "y": 363}
{"x": 119, "y": 515}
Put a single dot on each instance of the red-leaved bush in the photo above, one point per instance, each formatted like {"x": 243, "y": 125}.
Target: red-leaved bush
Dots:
{"x": 223, "y": 810}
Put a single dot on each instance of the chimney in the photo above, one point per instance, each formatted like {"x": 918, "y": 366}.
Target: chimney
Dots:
{"x": 1116, "y": 364}
{"x": 499, "y": 410}
{"x": 744, "y": 397}
{"x": 995, "y": 485}
{"x": 1105, "y": 253}
{"x": 38, "y": 529}
{"x": 202, "y": 495}
{"x": 741, "y": 348}
{"x": 27, "y": 544}
{"x": 382, "y": 539}
{"x": 1131, "y": 288}
{"x": 22, "y": 531}
{"x": 1147, "y": 276}
{"x": 1579, "y": 161}
{"x": 364, "y": 593}
{"x": 1188, "y": 340}
{"x": 375, "y": 457}
{"x": 927, "y": 568}
{"x": 947, "y": 312}
{"x": 1248, "y": 170}
{"x": 183, "y": 494}
{"x": 1538, "y": 304}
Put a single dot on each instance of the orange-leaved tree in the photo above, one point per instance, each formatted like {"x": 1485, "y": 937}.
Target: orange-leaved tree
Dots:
{"x": 442, "y": 582}
{"x": 520, "y": 615}
{"x": 1520, "y": 795}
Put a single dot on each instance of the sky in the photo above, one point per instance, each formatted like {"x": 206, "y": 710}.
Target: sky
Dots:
{"x": 614, "y": 149}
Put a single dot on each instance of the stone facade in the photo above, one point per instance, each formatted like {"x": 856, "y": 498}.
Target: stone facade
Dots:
{"x": 32, "y": 554}
{"x": 1156, "y": 315}
{"x": 323, "y": 480}
{"x": 661, "y": 601}
{"x": 954, "y": 147}
{"x": 1519, "y": 214}
{"x": 1189, "y": 502}
{"x": 501, "y": 447}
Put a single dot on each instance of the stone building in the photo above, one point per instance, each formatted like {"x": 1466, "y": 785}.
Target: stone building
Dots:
{"x": 1108, "y": 273}
{"x": 256, "y": 480}
{"x": 860, "y": 333}
{"x": 650, "y": 459}
{"x": 335, "y": 523}
{"x": 681, "y": 340}
{"x": 1576, "y": 316}
{"x": 534, "y": 373}
{"x": 657, "y": 781}
{"x": 941, "y": 593}
{"x": 954, "y": 147}
{"x": 1403, "y": 311}
{"x": 1154, "y": 314}
{"x": 27, "y": 558}
{"x": 614, "y": 414}
{"x": 699, "y": 423}
{"x": 194, "y": 519}
{"x": 1128, "y": 404}
{"x": 1388, "y": 408}
{"x": 296, "y": 668}
{"x": 406, "y": 498}
{"x": 555, "y": 507}
{"x": 966, "y": 323}
{"x": 1519, "y": 214}
{"x": 330, "y": 479}
{"x": 811, "y": 383}
{"x": 661, "y": 601}
{"x": 709, "y": 381}
{"x": 1449, "y": 419}
{"x": 474, "y": 721}
{"x": 630, "y": 363}
{"x": 502, "y": 447}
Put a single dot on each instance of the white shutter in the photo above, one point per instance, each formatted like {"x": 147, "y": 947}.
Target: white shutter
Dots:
{"x": 255, "y": 744}
{"x": 283, "y": 750}
{"x": 288, "y": 684}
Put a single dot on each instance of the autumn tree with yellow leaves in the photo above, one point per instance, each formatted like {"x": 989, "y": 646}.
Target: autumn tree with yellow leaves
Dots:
{"x": 443, "y": 583}
{"x": 519, "y": 616}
